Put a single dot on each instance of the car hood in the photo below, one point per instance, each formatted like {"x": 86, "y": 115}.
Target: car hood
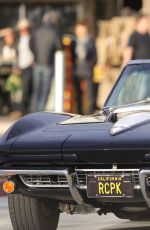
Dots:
{"x": 125, "y": 141}
{"x": 51, "y": 138}
{"x": 91, "y": 139}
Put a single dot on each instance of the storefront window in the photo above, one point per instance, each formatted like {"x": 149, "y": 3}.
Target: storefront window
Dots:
{"x": 8, "y": 15}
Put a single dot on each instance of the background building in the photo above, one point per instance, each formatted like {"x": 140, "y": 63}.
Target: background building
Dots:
{"x": 94, "y": 10}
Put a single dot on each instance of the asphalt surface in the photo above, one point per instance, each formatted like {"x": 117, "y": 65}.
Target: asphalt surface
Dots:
{"x": 79, "y": 222}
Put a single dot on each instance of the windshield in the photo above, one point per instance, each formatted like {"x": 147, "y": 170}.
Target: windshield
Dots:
{"x": 133, "y": 86}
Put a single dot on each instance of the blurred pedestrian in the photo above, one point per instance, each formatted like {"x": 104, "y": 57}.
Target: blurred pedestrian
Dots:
{"x": 84, "y": 58}
{"x": 8, "y": 54}
{"x": 44, "y": 44}
{"x": 25, "y": 63}
{"x": 139, "y": 42}
{"x": 8, "y": 51}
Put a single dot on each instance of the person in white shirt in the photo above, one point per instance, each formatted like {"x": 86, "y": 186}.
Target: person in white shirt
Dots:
{"x": 8, "y": 51}
{"x": 8, "y": 56}
{"x": 25, "y": 63}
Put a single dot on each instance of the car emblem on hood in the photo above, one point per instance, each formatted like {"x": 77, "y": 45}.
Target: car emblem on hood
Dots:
{"x": 130, "y": 121}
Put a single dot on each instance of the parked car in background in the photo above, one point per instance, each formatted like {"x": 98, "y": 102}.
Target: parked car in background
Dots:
{"x": 54, "y": 163}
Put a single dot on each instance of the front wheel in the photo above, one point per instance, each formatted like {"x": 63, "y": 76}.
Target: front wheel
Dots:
{"x": 33, "y": 213}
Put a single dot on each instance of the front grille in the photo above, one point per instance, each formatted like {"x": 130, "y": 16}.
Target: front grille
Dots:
{"x": 80, "y": 175}
{"x": 44, "y": 181}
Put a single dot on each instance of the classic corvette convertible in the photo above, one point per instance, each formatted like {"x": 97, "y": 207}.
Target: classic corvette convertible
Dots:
{"x": 52, "y": 163}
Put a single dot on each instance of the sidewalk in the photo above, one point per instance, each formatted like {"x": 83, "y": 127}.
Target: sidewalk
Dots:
{"x": 5, "y": 123}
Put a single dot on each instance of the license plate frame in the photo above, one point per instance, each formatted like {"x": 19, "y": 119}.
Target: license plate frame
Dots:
{"x": 110, "y": 186}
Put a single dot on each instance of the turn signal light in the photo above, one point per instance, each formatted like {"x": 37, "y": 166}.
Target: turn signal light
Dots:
{"x": 8, "y": 186}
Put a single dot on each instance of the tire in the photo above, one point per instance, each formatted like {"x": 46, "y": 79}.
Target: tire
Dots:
{"x": 33, "y": 213}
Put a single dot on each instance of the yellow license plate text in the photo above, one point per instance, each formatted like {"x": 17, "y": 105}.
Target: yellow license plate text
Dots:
{"x": 109, "y": 188}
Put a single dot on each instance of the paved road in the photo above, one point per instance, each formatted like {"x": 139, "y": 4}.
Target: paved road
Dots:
{"x": 80, "y": 222}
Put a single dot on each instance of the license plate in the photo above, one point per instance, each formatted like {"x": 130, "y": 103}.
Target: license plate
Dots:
{"x": 100, "y": 186}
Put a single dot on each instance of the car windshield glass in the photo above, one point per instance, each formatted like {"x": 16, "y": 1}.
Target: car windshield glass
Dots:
{"x": 133, "y": 87}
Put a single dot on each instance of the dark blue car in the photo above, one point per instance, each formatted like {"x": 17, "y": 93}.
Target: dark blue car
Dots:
{"x": 54, "y": 163}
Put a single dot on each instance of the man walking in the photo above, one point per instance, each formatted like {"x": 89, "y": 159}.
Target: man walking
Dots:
{"x": 44, "y": 43}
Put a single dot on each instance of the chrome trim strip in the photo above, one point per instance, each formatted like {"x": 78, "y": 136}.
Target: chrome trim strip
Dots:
{"x": 131, "y": 108}
{"x": 139, "y": 61}
{"x": 13, "y": 172}
{"x": 107, "y": 170}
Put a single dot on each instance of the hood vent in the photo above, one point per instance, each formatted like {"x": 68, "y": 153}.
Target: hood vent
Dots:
{"x": 130, "y": 121}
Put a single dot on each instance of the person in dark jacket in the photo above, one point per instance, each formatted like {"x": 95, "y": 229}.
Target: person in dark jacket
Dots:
{"x": 44, "y": 43}
{"x": 84, "y": 59}
{"x": 139, "y": 42}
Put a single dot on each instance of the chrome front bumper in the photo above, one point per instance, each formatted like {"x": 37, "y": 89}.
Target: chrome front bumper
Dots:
{"x": 70, "y": 179}
{"x": 143, "y": 174}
